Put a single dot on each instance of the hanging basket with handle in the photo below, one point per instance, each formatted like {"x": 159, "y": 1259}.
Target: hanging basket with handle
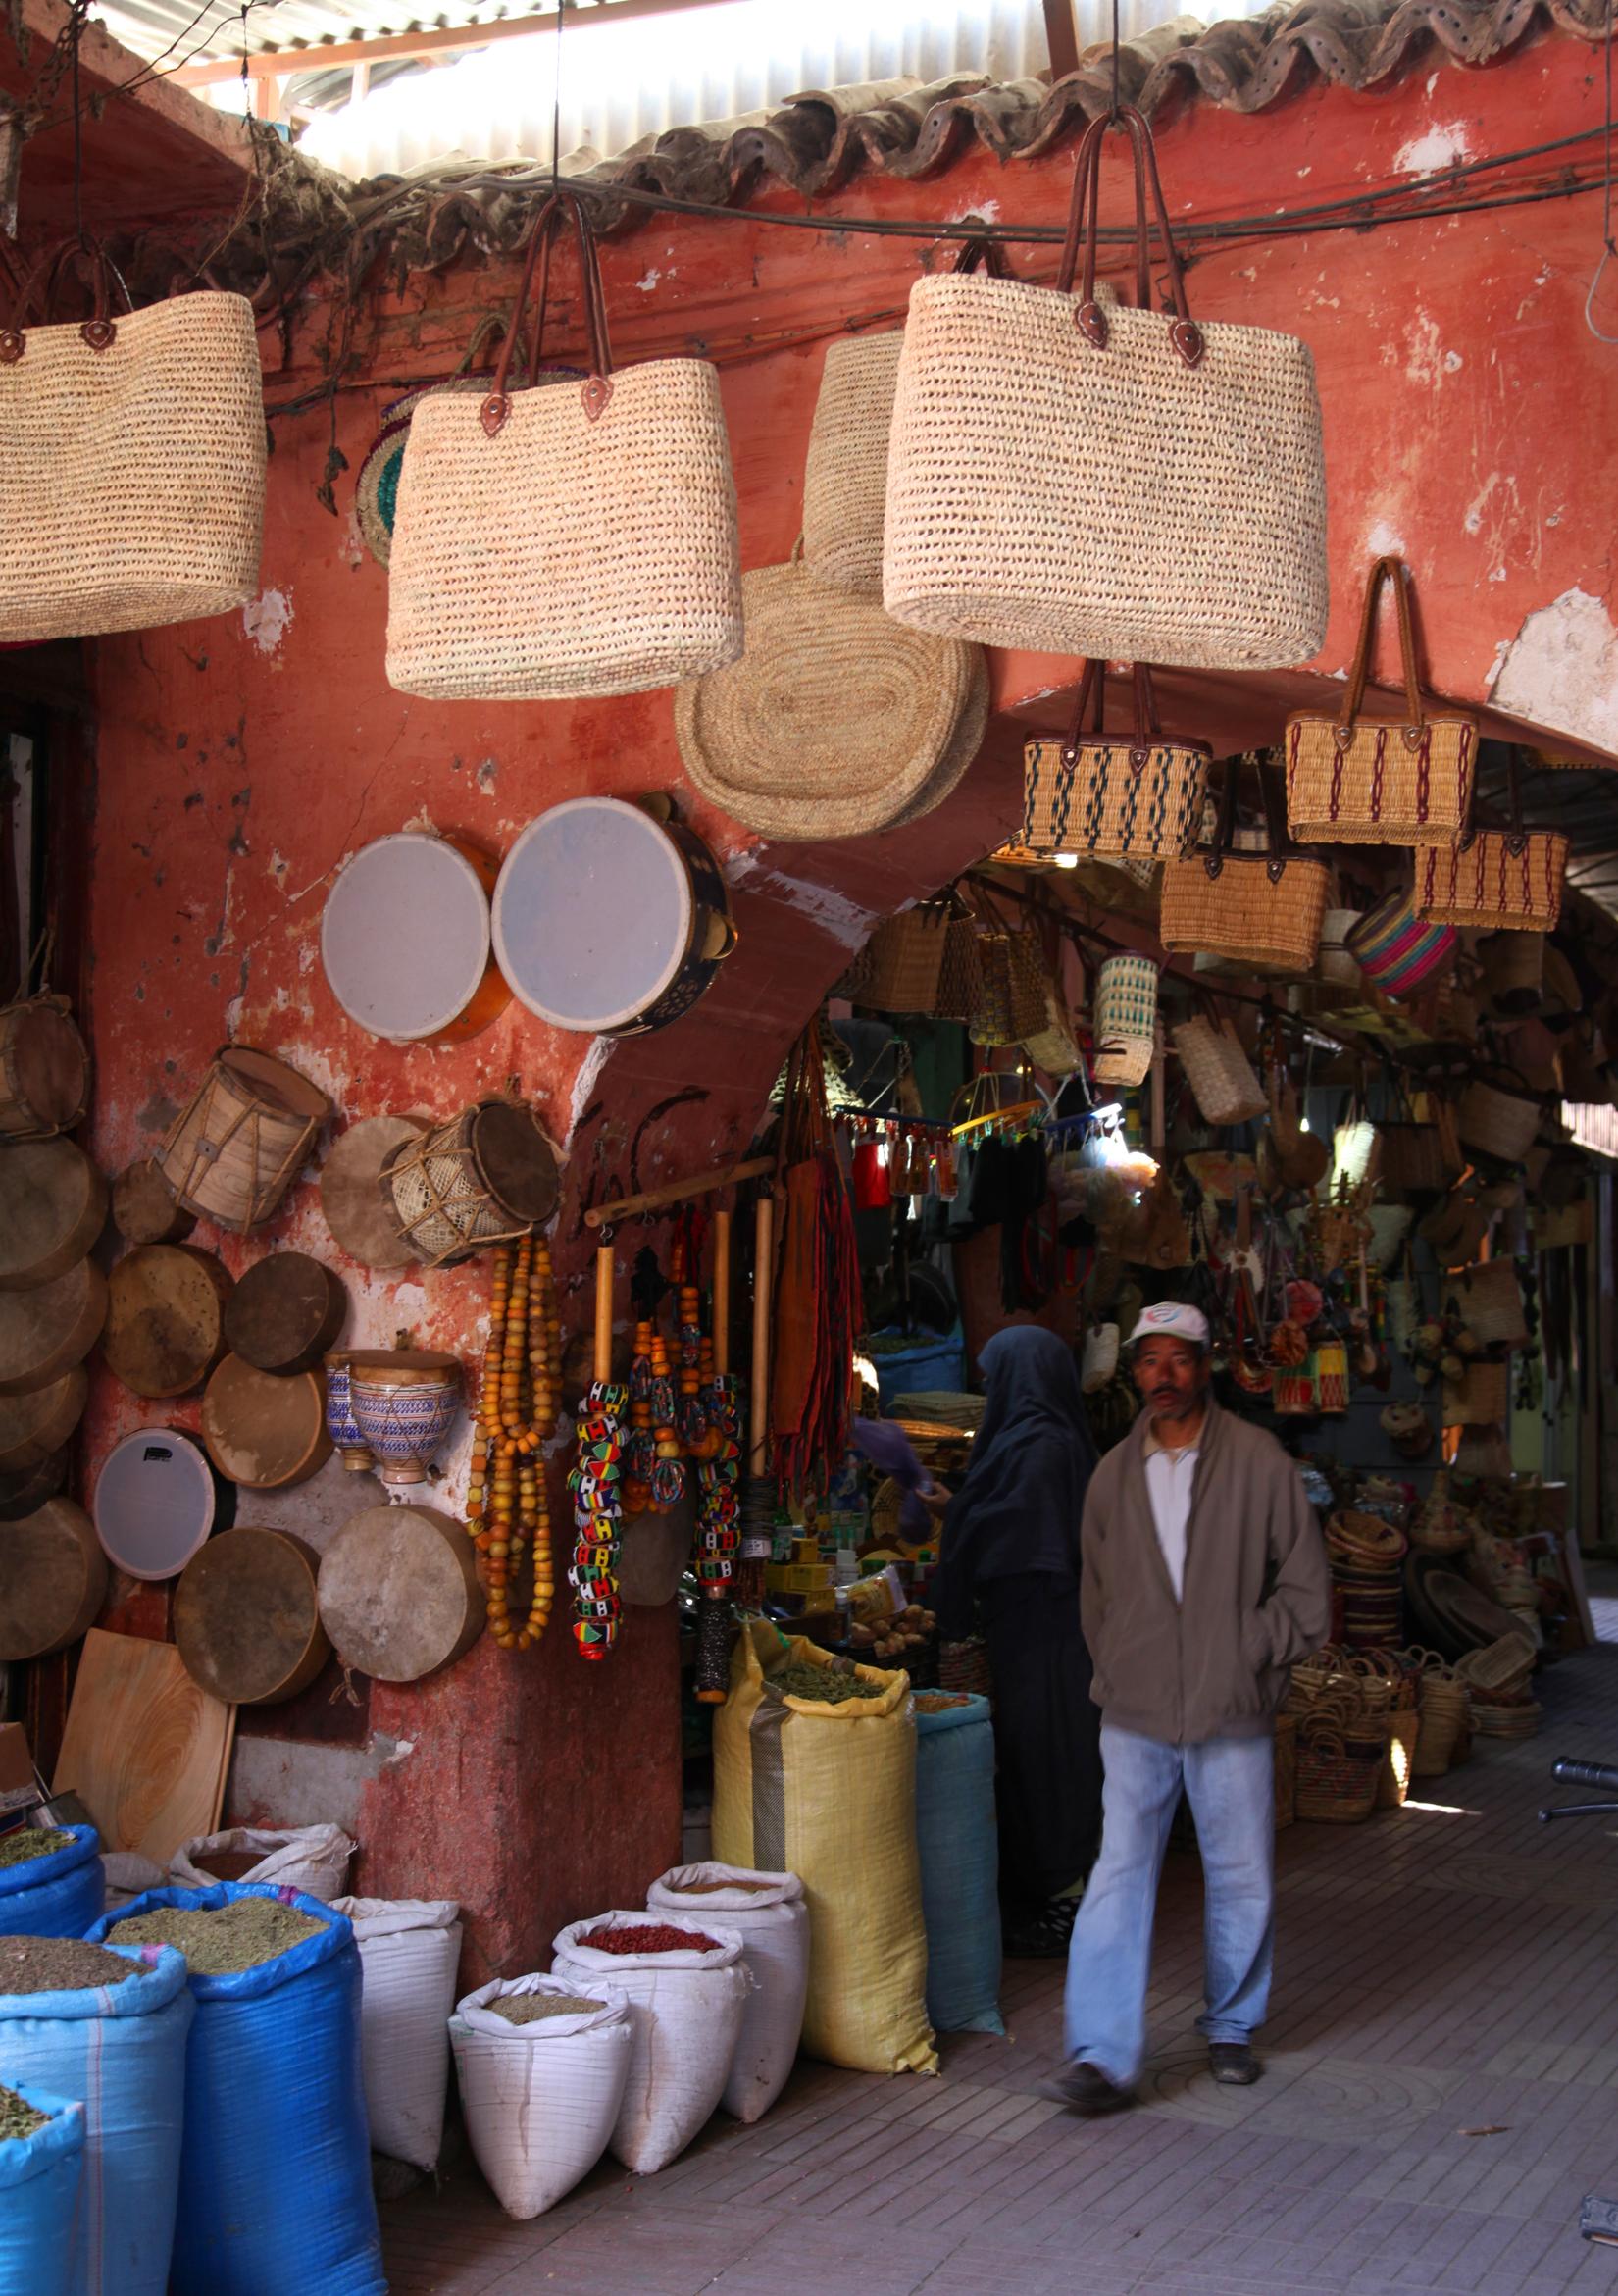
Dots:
{"x": 562, "y": 540}
{"x": 1499, "y": 880}
{"x": 132, "y": 460}
{"x": 1189, "y": 458}
{"x": 1371, "y": 782}
{"x": 1139, "y": 797}
{"x": 1262, "y": 909}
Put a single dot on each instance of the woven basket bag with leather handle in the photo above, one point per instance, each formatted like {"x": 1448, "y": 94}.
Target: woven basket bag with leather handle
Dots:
{"x": 1503, "y": 880}
{"x": 566, "y": 539}
{"x": 131, "y": 462}
{"x": 1376, "y": 782}
{"x": 1263, "y": 909}
{"x": 1136, "y": 797}
{"x": 1120, "y": 484}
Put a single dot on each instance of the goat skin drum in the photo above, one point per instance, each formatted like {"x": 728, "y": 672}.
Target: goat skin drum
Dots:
{"x": 166, "y": 1318}
{"x": 608, "y": 922}
{"x": 286, "y": 1311}
{"x": 34, "y": 1427}
{"x": 247, "y": 1621}
{"x": 405, "y": 939}
{"x": 357, "y": 1212}
{"x": 399, "y": 1593}
{"x": 53, "y": 1205}
{"x": 53, "y": 1580}
{"x": 145, "y": 1210}
{"x": 262, "y": 1430}
{"x": 44, "y": 1332}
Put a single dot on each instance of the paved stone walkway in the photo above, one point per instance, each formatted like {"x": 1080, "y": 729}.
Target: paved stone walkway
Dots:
{"x": 1441, "y": 2090}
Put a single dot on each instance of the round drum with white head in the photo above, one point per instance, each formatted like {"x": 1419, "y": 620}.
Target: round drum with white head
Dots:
{"x": 156, "y": 1502}
{"x": 607, "y": 921}
{"x": 405, "y": 939}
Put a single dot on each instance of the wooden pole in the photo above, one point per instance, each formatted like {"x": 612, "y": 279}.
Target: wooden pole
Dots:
{"x": 677, "y": 1192}
{"x": 722, "y": 1292}
{"x": 764, "y": 1233}
{"x": 603, "y": 1313}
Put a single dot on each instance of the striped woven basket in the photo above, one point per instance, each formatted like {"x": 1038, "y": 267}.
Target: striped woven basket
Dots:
{"x": 1338, "y": 1770}
{"x": 1397, "y": 951}
{"x": 1125, "y": 1019}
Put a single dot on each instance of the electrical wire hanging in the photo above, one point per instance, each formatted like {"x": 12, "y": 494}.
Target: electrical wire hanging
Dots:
{"x": 1608, "y": 251}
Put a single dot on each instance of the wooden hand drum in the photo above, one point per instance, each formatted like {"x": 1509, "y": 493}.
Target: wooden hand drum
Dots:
{"x": 44, "y": 1332}
{"x": 53, "y": 1204}
{"x": 399, "y": 1593}
{"x": 53, "y": 1581}
{"x": 262, "y": 1431}
{"x": 166, "y": 1321}
{"x": 284, "y": 1313}
{"x": 247, "y": 1619}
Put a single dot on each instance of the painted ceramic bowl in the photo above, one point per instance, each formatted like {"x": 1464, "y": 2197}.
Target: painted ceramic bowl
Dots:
{"x": 404, "y": 1404}
{"x": 355, "y": 1451}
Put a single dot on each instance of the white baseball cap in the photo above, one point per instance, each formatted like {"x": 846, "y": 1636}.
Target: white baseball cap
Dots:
{"x": 1171, "y": 1319}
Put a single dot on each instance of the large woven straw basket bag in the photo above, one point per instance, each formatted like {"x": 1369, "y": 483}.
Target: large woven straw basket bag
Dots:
{"x": 566, "y": 539}
{"x": 845, "y": 473}
{"x": 1262, "y": 909}
{"x": 1135, "y": 797}
{"x": 1502, "y": 881}
{"x": 1376, "y": 782}
{"x": 1222, "y": 1078}
{"x": 132, "y": 466}
{"x": 1188, "y": 460}
{"x": 835, "y": 721}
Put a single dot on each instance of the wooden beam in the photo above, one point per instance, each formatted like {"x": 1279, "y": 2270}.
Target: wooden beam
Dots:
{"x": 1061, "y": 37}
{"x": 441, "y": 41}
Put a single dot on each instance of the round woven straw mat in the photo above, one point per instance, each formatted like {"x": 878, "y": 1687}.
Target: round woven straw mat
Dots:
{"x": 836, "y": 720}
{"x": 962, "y": 747}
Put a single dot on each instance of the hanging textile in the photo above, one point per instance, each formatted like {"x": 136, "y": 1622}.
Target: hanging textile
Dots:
{"x": 817, "y": 1301}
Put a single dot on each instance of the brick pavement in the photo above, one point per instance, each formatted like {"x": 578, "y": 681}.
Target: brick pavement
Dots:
{"x": 1441, "y": 2090}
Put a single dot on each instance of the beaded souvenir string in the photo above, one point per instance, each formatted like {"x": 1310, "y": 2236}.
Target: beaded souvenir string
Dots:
{"x": 508, "y": 1510}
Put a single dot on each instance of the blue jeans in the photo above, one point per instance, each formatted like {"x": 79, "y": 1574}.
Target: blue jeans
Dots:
{"x": 1230, "y": 1785}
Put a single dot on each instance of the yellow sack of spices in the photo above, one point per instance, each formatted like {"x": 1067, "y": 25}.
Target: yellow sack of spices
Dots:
{"x": 828, "y": 1792}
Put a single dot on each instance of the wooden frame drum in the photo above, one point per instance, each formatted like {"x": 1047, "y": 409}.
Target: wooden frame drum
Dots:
{"x": 609, "y": 920}
{"x": 44, "y": 1069}
{"x": 405, "y": 939}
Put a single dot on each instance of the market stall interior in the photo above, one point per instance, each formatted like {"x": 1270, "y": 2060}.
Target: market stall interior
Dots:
{"x": 556, "y": 1016}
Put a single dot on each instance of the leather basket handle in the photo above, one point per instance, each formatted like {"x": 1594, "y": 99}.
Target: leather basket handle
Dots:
{"x": 90, "y": 261}
{"x": 594, "y": 393}
{"x": 1392, "y": 570}
{"x": 1084, "y": 218}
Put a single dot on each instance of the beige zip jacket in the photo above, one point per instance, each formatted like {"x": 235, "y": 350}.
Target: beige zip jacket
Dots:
{"x": 1257, "y": 1590}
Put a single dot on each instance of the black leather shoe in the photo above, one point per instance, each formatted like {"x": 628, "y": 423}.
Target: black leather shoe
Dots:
{"x": 1234, "y": 2063}
{"x": 1086, "y": 2088}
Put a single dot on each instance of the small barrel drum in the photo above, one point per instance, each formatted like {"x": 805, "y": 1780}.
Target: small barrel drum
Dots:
{"x": 237, "y": 1148}
{"x": 609, "y": 921}
{"x": 405, "y": 939}
{"x": 44, "y": 1069}
{"x": 487, "y": 1175}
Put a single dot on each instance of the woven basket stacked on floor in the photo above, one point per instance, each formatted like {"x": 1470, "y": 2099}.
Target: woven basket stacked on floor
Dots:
{"x": 1367, "y": 1555}
{"x": 1341, "y": 1752}
{"x": 835, "y": 721}
{"x": 1445, "y": 1706}
{"x": 1497, "y": 1684}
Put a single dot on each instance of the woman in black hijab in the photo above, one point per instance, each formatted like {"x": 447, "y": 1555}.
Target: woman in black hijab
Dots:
{"x": 1010, "y": 1547}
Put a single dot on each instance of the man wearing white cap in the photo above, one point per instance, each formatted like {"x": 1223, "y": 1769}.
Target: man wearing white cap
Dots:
{"x": 1204, "y": 1582}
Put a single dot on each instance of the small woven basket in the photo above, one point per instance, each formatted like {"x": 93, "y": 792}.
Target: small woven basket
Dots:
{"x": 907, "y": 954}
{"x": 1222, "y": 1078}
{"x": 1338, "y": 1770}
{"x": 1501, "y": 1122}
{"x": 1125, "y": 1019}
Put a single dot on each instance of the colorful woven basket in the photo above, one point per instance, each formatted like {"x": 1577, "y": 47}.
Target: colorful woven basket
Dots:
{"x": 1397, "y": 951}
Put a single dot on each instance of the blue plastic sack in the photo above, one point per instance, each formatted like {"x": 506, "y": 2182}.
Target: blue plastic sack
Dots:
{"x": 928, "y": 1366}
{"x": 57, "y": 1895}
{"x": 960, "y": 1866}
{"x": 39, "y": 2180}
{"x": 121, "y": 2049}
{"x": 274, "y": 2179}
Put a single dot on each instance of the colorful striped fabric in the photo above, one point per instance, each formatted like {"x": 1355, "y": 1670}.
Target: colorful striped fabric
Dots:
{"x": 1397, "y": 950}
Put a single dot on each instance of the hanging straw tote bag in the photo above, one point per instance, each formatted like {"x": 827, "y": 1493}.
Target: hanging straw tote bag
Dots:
{"x": 1496, "y": 1119}
{"x": 1488, "y": 1299}
{"x": 1139, "y": 799}
{"x": 1262, "y": 909}
{"x": 1189, "y": 459}
{"x": 1223, "y": 1080}
{"x": 845, "y": 473}
{"x": 1125, "y": 1021}
{"x": 131, "y": 462}
{"x": 1381, "y": 783}
{"x": 566, "y": 539}
{"x": 836, "y": 722}
{"x": 1500, "y": 881}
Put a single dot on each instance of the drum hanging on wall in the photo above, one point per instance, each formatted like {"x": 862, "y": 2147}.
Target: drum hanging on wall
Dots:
{"x": 44, "y": 1332}
{"x": 247, "y": 1623}
{"x": 156, "y": 1500}
{"x": 399, "y": 1593}
{"x": 34, "y": 1427}
{"x": 237, "y": 1148}
{"x": 405, "y": 939}
{"x": 44, "y": 1069}
{"x": 54, "y": 1582}
{"x": 609, "y": 921}
{"x": 145, "y": 1210}
{"x": 262, "y": 1431}
{"x": 285, "y": 1312}
{"x": 53, "y": 1204}
{"x": 486, "y": 1176}
{"x": 358, "y": 1209}
{"x": 166, "y": 1318}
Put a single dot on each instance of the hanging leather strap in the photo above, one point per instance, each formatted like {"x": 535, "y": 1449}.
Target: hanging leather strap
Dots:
{"x": 1392, "y": 570}
{"x": 1281, "y": 848}
{"x": 985, "y": 253}
{"x": 90, "y": 261}
{"x": 1084, "y": 218}
{"x": 594, "y": 393}
{"x": 1148, "y": 732}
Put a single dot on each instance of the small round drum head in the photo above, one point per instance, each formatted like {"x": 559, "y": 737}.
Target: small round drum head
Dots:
{"x": 516, "y": 1162}
{"x": 592, "y": 914}
{"x": 405, "y": 936}
{"x": 154, "y": 1503}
